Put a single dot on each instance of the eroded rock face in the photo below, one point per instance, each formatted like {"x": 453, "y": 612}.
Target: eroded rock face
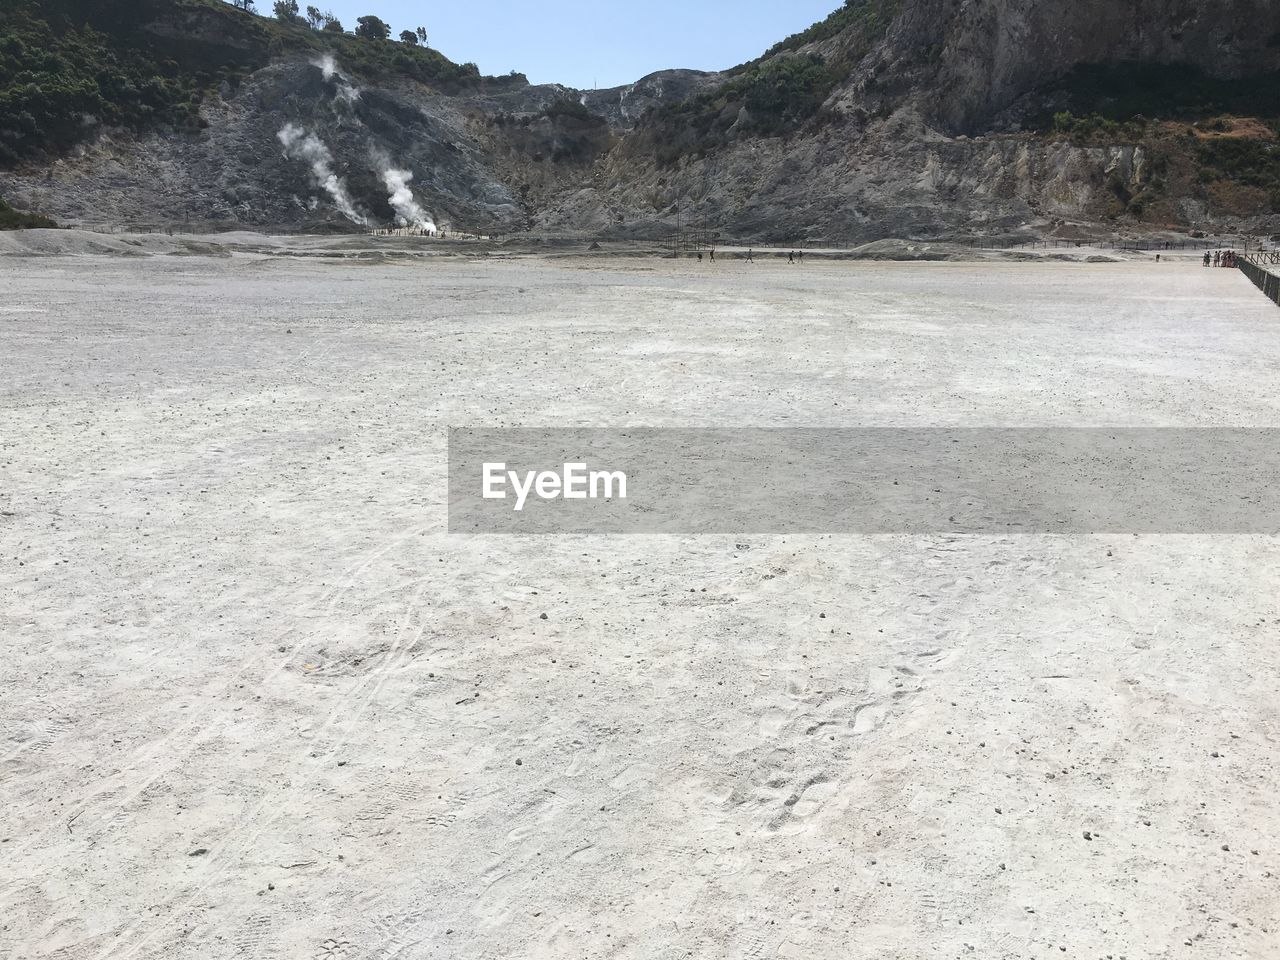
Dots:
{"x": 624, "y": 106}
{"x": 966, "y": 60}
{"x": 915, "y": 140}
{"x": 238, "y": 172}
{"x": 914, "y": 149}
{"x": 892, "y": 179}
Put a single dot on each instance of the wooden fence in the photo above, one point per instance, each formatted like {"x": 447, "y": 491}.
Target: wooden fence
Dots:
{"x": 1254, "y": 266}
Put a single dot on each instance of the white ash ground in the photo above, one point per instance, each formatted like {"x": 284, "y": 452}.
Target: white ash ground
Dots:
{"x": 258, "y": 704}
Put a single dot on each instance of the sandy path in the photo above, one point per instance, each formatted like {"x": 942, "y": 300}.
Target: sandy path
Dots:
{"x": 259, "y": 705}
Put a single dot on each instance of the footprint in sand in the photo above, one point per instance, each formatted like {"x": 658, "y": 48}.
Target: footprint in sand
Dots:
{"x": 867, "y": 717}
{"x": 813, "y": 798}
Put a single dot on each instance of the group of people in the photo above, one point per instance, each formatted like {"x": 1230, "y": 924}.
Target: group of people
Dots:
{"x": 1220, "y": 258}
{"x": 794, "y": 256}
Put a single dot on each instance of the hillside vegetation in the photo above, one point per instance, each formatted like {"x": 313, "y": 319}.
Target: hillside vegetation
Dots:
{"x": 1226, "y": 129}
{"x": 69, "y": 68}
{"x": 776, "y": 94}
{"x": 869, "y": 17}
{"x": 888, "y": 117}
{"x": 11, "y": 219}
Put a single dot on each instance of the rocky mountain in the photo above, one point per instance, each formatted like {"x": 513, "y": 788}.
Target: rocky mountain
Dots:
{"x": 965, "y": 61}
{"x": 909, "y": 118}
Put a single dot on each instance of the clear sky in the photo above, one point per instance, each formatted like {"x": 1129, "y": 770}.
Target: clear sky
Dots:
{"x": 603, "y": 43}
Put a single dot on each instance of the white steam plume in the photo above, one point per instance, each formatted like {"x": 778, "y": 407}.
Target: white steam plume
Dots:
{"x": 328, "y": 67}
{"x": 300, "y": 145}
{"x": 400, "y": 196}
{"x": 327, "y": 64}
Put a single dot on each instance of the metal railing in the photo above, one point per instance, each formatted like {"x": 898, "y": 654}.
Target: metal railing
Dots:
{"x": 1253, "y": 266}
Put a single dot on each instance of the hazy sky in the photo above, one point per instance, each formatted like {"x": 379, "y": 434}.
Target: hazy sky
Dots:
{"x": 605, "y": 43}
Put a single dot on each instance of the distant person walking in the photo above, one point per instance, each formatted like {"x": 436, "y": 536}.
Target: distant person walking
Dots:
{"x": 791, "y": 257}
{"x": 750, "y": 257}
{"x": 1217, "y": 258}
{"x": 1207, "y": 257}
{"x": 713, "y": 254}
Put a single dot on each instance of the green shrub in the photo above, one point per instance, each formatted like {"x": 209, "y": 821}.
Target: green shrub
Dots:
{"x": 570, "y": 109}
{"x": 874, "y": 16}
{"x": 777, "y": 95}
{"x": 11, "y": 219}
{"x": 61, "y": 77}
{"x": 1123, "y": 92}
{"x": 1097, "y": 128}
{"x": 1240, "y": 160}
{"x": 774, "y": 94}
{"x": 785, "y": 90}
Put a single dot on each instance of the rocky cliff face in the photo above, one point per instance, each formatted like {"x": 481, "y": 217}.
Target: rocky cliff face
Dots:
{"x": 922, "y": 133}
{"x": 964, "y": 61}
{"x": 909, "y": 123}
